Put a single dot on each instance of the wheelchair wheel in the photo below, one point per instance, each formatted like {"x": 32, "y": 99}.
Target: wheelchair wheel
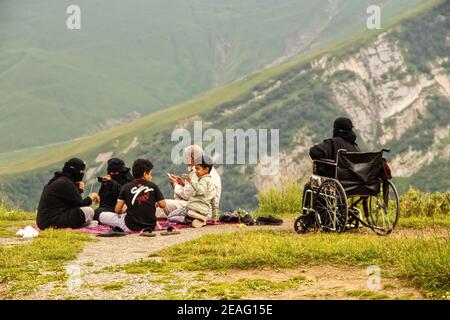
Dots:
{"x": 352, "y": 221}
{"x": 304, "y": 224}
{"x": 382, "y": 211}
{"x": 331, "y": 207}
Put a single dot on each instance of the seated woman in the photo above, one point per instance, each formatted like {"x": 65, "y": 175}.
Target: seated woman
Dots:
{"x": 140, "y": 198}
{"x": 343, "y": 138}
{"x": 61, "y": 205}
{"x": 117, "y": 176}
{"x": 203, "y": 199}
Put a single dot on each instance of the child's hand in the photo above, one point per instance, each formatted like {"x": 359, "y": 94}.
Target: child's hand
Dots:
{"x": 173, "y": 180}
{"x": 187, "y": 177}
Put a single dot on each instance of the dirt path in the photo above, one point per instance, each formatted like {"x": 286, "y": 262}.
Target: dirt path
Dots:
{"x": 110, "y": 251}
{"x": 107, "y": 252}
{"x": 87, "y": 282}
{"x": 328, "y": 282}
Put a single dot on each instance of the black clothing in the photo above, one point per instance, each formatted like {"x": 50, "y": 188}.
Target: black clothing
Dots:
{"x": 116, "y": 165}
{"x": 60, "y": 204}
{"x": 343, "y": 128}
{"x": 74, "y": 168}
{"x": 348, "y": 136}
{"x": 99, "y": 210}
{"x": 343, "y": 138}
{"x": 328, "y": 150}
{"x": 110, "y": 190}
{"x": 342, "y": 124}
{"x": 140, "y": 197}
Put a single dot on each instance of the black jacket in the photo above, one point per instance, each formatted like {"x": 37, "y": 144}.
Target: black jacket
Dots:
{"x": 109, "y": 191}
{"x": 328, "y": 150}
{"x": 60, "y": 204}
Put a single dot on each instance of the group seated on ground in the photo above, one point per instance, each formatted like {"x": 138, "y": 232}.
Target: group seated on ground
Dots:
{"x": 131, "y": 203}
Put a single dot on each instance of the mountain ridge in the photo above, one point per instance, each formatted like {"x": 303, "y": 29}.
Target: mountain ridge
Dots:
{"x": 142, "y": 56}
{"x": 304, "y": 95}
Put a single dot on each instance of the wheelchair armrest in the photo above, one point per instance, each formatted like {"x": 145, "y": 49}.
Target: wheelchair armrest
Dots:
{"x": 326, "y": 161}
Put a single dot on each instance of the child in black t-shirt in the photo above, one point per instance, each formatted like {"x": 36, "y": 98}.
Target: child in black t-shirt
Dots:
{"x": 140, "y": 197}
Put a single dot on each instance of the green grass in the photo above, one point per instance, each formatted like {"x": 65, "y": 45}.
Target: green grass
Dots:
{"x": 9, "y": 228}
{"x": 366, "y": 294}
{"x": 420, "y": 223}
{"x": 25, "y": 266}
{"x": 113, "y": 286}
{"x": 241, "y": 288}
{"x": 13, "y": 220}
{"x": 417, "y": 209}
{"x": 15, "y": 214}
{"x": 281, "y": 202}
{"x": 423, "y": 262}
{"x": 424, "y": 204}
{"x": 423, "y": 259}
{"x": 174, "y": 287}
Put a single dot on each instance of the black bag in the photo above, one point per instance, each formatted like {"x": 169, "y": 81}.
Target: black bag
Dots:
{"x": 228, "y": 217}
{"x": 270, "y": 220}
{"x": 387, "y": 169}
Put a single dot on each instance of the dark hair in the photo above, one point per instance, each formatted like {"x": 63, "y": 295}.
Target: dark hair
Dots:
{"x": 204, "y": 162}
{"x": 140, "y": 166}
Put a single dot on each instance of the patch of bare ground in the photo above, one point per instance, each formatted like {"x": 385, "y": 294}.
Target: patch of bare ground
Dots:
{"x": 327, "y": 282}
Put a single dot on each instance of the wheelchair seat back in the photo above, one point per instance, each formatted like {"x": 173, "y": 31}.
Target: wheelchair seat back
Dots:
{"x": 360, "y": 173}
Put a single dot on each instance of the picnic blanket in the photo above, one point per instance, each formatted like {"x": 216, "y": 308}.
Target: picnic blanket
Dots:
{"x": 161, "y": 225}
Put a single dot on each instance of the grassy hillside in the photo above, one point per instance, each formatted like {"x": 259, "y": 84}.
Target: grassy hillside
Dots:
{"x": 137, "y": 57}
{"x": 303, "y": 101}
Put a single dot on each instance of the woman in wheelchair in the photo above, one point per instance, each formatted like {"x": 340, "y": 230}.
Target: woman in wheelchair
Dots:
{"x": 346, "y": 183}
{"x": 343, "y": 138}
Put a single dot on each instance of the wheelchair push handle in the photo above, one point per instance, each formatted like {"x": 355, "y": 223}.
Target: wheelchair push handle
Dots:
{"x": 386, "y": 150}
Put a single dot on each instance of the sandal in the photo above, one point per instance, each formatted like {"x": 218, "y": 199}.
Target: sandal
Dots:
{"x": 170, "y": 231}
{"x": 113, "y": 232}
{"x": 147, "y": 232}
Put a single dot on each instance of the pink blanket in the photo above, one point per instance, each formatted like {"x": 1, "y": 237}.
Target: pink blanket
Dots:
{"x": 161, "y": 225}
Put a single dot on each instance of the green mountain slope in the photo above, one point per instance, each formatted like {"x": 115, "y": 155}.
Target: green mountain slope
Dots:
{"x": 392, "y": 83}
{"x": 131, "y": 58}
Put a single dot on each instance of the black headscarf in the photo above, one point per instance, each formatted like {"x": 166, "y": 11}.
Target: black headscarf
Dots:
{"x": 117, "y": 165}
{"x": 343, "y": 128}
{"x": 73, "y": 168}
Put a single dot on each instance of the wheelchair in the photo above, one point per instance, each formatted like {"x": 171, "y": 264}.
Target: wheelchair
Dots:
{"x": 351, "y": 192}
